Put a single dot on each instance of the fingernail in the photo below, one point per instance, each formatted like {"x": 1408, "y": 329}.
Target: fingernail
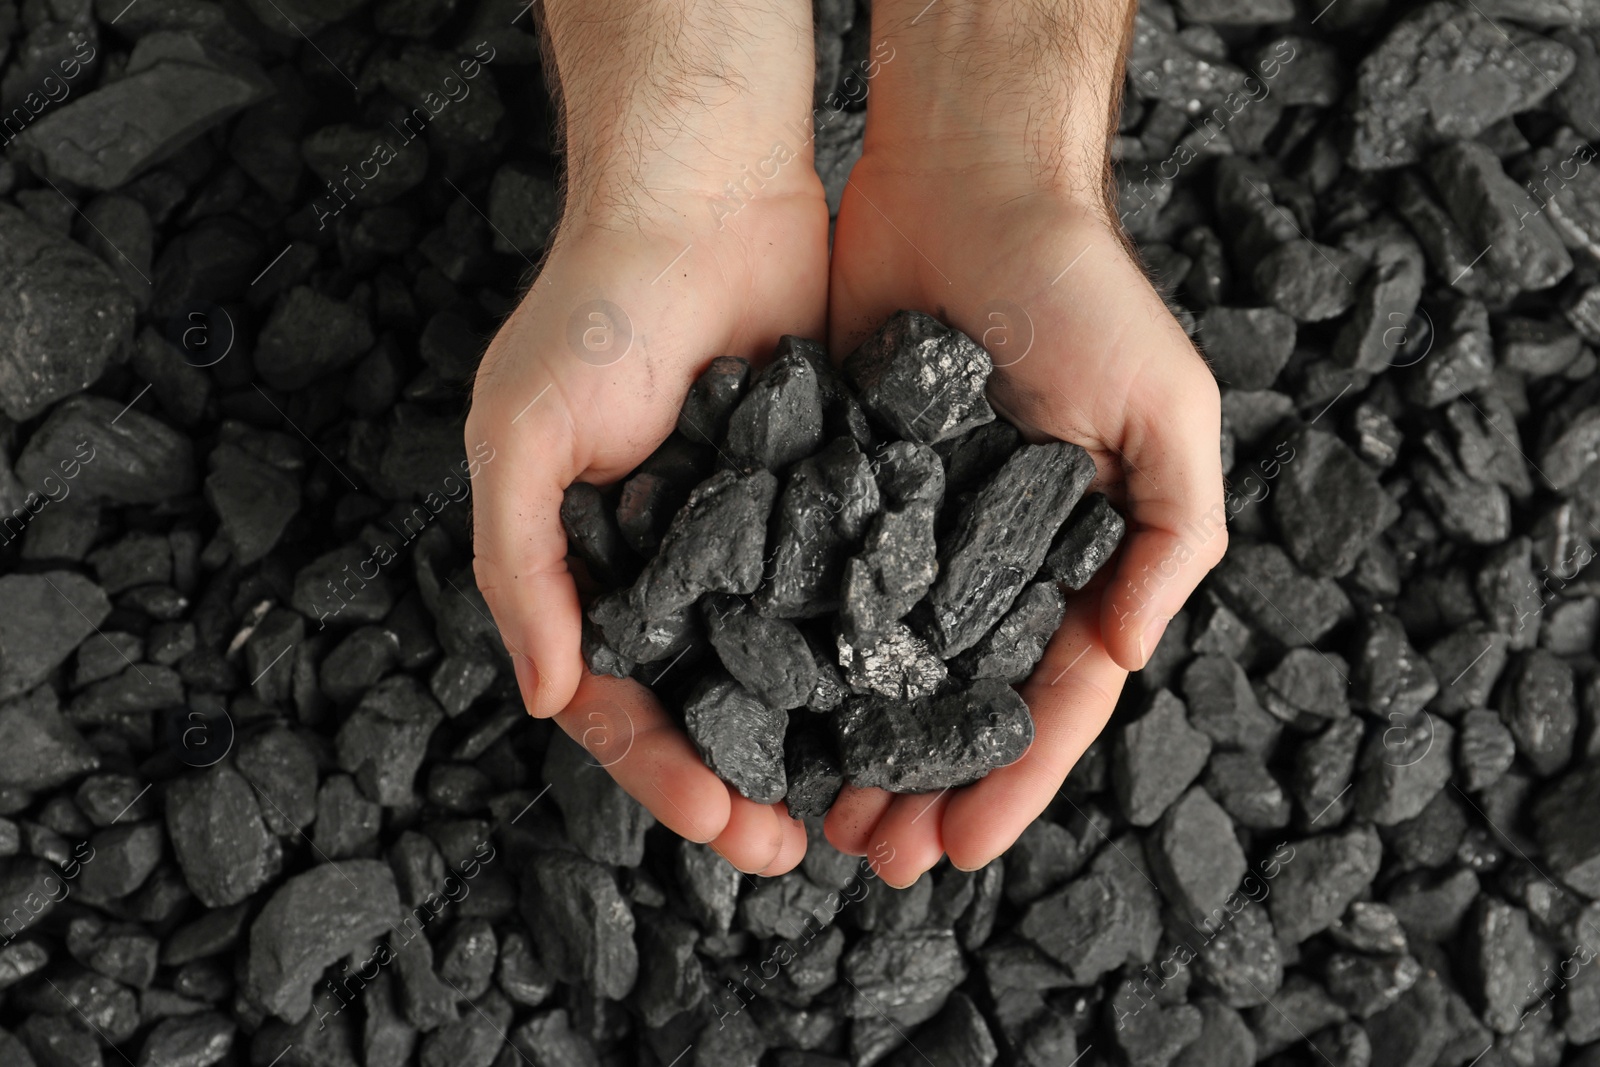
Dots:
{"x": 967, "y": 870}
{"x": 1150, "y": 638}
{"x": 527, "y": 679}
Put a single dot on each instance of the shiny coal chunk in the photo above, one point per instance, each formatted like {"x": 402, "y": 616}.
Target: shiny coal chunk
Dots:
{"x": 1307, "y": 281}
{"x": 1487, "y": 749}
{"x": 769, "y": 657}
{"x": 780, "y": 418}
{"x": 1391, "y": 676}
{"x": 131, "y": 459}
{"x": 671, "y": 979}
{"x": 1323, "y": 768}
{"x": 894, "y": 662}
{"x": 1000, "y": 541}
{"x": 633, "y": 637}
{"x": 1503, "y": 960}
{"x": 821, "y": 517}
{"x": 842, "y": 413}
{"x": 1091, "y": 534}
{"x": 142, "y": 118}
{"x": 593, "y": 534}
{"x": 1387, "y": 296}
{"x": 813, "y": 772}
{"x": 738, "y": 736}
{"x": 712, "y": 398}
{"x": 1013, "y": 647}
{"x": 922, "y": 378}
{"x": 1243, "y": 961}
{"x": 43, "y": 749}
{"x": 716, "y": 543}
{"x": 898, "y": 560}
{"x": 932, "y": 743}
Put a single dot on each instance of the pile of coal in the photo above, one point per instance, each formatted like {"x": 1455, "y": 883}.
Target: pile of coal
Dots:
{"x": 836, "y": 575}
{"x": 268, "y": 795}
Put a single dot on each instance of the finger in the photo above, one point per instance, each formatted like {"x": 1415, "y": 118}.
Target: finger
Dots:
{"x": 850, "y": 821}
{"x": 755, "y": 834}
{"x": 519, "y": 545}
{"x": 1177, "y": 523}
{"x": 1071, "y": 694}
{"x": 793, "y": 849}
{"x": 626, "y": 731}
{"x": 907, "y": 838}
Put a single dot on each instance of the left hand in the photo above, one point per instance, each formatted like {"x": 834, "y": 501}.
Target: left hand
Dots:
{"x": 955, "y": 209}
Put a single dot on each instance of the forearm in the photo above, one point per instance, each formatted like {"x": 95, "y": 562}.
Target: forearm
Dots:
{"x": 666, "y": 101}
{"x": 1029, "y": 84}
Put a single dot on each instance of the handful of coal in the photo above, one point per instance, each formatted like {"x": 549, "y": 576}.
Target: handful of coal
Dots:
{"x": 837, "y": 575}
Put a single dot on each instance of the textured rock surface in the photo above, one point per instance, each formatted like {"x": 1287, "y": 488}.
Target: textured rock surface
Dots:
{"x": 779, "y": 418}
{"x": 921, "y": 378}
{"x": 63, "y": 314}
{"x": 1382, "y": 223}
{"x": 898, "y": 559}
{"x": 739, "y": 737}
{"x": 312, "y": 920}
{"x": 1444, "y": 73}
{"x": 935, "y": 742}
{"x": 1000, "y": 540}
{"x": 174, "y": 91}
{"x": 769, "y": 657}
{"x": 581, "y": 923}
{"x": 715, "y": 544}
{"x": 1091, "y": 534}
{"x": 820, "y": 518}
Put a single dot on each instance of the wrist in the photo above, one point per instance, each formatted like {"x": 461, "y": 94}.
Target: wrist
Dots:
{"x": 671, "y": 111}
{"x": 1023, "y": 94}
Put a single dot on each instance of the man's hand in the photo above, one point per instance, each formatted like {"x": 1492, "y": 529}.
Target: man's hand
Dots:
{"x": 981, "y": 198}
{"x": 656, "y": 269}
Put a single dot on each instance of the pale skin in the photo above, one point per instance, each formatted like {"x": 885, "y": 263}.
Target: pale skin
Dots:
{"x": 980, "y": 197}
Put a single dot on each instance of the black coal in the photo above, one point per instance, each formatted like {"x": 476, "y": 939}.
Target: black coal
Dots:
{"x": 268, "y": 796}
{"x": 851, "y": 581}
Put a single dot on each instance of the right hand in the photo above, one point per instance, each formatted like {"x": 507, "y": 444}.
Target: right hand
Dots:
{"x": 564, "y": 395}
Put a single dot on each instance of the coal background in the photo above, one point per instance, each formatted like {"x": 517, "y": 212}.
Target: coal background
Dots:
{"x": 1345, "y": 817}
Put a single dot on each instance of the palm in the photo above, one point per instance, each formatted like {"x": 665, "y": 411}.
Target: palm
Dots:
{"x": 582, "y": 384}
{"x": 1085, "y": 351}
